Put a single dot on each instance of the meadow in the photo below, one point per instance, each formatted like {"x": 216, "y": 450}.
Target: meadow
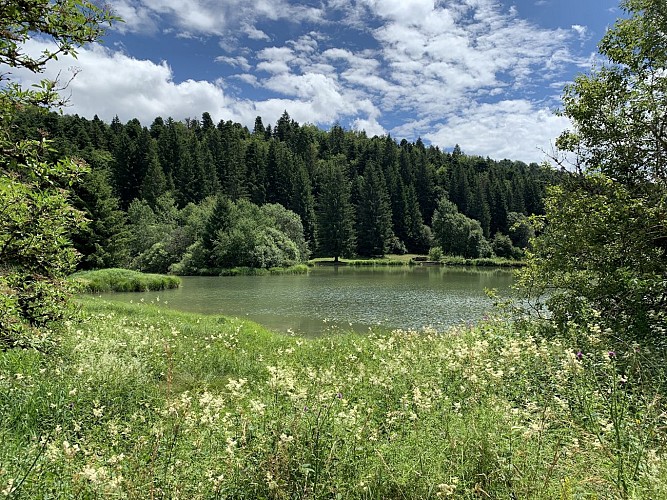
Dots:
{"x": 143, "y": 402}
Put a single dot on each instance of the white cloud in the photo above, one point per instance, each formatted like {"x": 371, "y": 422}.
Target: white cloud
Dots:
{"x": 276, "y": 60}
{"x": 112, "y": 83}
{"x": 254, "y": 33}
{"x": 582, "y": 31}
{"x": 370, "y": 126}
{"x": 514, "y": 129}
{"x": 211, "y": 17}
{"x": 237, "y": 62}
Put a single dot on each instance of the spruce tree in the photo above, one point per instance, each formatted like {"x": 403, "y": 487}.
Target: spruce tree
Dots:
{"x": 373, "y": 213}
{"x": 335, "y": 233}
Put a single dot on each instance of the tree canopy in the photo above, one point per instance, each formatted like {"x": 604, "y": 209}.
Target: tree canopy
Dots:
{"x": 37, "y": 220}
{"x": 603, "y": 247}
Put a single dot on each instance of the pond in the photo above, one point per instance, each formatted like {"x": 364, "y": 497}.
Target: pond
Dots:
{"x": 331, "y": 298}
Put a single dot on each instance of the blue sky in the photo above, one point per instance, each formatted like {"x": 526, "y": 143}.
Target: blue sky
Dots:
{"x": 484, "y": 74}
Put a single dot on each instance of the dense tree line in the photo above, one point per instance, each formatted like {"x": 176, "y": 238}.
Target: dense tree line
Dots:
{"x": 354, "y": 195}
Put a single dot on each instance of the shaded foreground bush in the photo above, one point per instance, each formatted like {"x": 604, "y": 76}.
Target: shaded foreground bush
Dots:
{"x": 123, "y": 280}
{"x": 146, "y": 403}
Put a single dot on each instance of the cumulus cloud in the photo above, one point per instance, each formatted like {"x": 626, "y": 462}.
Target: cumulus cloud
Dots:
{"x": 455, "y": 71}
{"x": 513, "y": 129}
{"x": 370, "y": 126}
{"x": 111, "y": 83}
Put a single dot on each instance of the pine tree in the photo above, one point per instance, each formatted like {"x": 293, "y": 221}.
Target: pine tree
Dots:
{"x": 373, "y": 213}
{"x": 335, "y": 214}
{"x": 155, "y": 182}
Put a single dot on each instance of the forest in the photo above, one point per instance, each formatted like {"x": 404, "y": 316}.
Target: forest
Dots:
{"x": 193, "y": 196}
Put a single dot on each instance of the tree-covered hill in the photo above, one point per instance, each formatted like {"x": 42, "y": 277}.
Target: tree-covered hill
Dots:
{"x": 386, "y": 194}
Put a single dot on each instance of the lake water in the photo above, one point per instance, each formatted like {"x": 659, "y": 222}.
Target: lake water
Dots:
{"x": 330, "y": 298}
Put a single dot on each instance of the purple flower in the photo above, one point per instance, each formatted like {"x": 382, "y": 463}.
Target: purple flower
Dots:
{"x": 305, "y": 408}
{"x": 339, "y": 395}
{"x": 612, "y": 354}
{"x": 580, "y": 355}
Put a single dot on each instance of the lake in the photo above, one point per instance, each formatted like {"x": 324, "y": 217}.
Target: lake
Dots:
{"x": 331, "y": 298}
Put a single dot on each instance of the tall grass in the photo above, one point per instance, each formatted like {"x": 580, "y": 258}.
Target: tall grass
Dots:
{"x": 254, "y": 271}
{"x": 143, "y": 402}
{"x": 122, "y": 280}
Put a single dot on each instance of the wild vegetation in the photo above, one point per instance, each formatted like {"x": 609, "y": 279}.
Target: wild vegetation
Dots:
{"x": 122, "y": 280}
{"x": 147, "y": 402}
{"x": 136, "y": 401}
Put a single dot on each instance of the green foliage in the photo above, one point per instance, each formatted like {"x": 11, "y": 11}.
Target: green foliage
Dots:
{"x": 69, "y": 24}
{"x": 619, "y": 110}
{"x": 521, "y": 230}
{"x": 604, "y": 241}
{"x": 194, "y": 160}
{"x": 335, "y": 235}
{"x": 373, "y": 213}
{"x": 252, "y": 240}
{"x": 456, "y": 234}
{"x": 103, "y": 241}
{"x": 35, "y": 250}
{"x": 435, "y": 254}
{"x": 150, "y": 402}
{"x": 36, "y": 214}
{"x": 503, "y": 248}
{"x": 242, "y": 234}
{"x": 122, "y": 280}
{"x": 598, "y": 251}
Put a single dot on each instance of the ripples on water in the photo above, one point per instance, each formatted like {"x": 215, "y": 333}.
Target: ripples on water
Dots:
{"x": 344, "y": 298}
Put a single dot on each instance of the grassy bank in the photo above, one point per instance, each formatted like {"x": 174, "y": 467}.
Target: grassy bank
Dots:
{"x": 487, "y": 262}
{"x": 123, "y": 280}
{"x": 250, "y": 271}
{"x": 147, "y": 403}
{"x": 413, "y": 259}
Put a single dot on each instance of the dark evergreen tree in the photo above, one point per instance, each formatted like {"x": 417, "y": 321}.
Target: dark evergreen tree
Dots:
{"x": 374, "y": 224}
{"x": 335, "y": 233}
{"x": 255, "y": 160}
{"x": 155, "y": 182}
{"x": 103, "y": 241}
{"x": 258, "y": 130}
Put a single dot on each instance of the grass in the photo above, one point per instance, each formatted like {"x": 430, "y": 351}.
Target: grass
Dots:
{"x": 486, "y": 262}
{"x": 412, "y": 259}
{"x": 390, "y": 260}
{"x": 122, "y": 280}
{"x": 141, "y": 402}
{"x": 254, "y": 271}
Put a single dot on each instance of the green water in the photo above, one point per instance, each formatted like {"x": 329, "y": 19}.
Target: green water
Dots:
{"x": 329, "y": 298}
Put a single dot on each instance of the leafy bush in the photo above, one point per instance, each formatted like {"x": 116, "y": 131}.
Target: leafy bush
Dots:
{"x": 435, "y": 254}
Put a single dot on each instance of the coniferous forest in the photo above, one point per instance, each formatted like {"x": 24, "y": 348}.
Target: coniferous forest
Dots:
{"x": 193, "y": 197}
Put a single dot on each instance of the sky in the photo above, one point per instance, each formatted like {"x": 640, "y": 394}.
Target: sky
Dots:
{"x": 484, "y": 74}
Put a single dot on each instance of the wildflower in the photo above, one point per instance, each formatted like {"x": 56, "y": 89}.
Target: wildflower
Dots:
{"x": 9, "y": 489}
{"x": 580, "y": 355}
{"x": 611, "y": 354}
{"x": 339, "y": 395}
{"x": 285, "y": 439}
